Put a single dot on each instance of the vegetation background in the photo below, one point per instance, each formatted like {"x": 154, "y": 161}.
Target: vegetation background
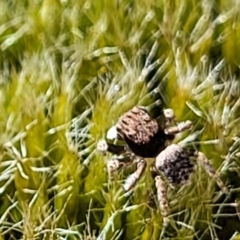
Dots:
{"x": 69, "y": 69}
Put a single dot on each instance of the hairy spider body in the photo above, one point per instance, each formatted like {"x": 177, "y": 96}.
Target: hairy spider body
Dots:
{"x": 176, "y": 163}
{"x": 144, "y": 137}
{"x": 142, "y": 134}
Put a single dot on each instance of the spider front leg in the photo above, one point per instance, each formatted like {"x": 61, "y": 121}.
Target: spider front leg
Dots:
{"x": 112, "y": 166}
{"x": 103, "y": 146}
{"x": 118, "y": 162}
{"x": 162, "y": 198}
{"x": 211, "y": 171}
{"x": 122, "y": 161}
{"x": 169, "y": 117}
{"x": 180, "y": 127}
{"x": 132, "y": 180}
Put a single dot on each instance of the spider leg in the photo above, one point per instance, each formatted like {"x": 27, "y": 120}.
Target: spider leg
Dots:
{"x": 118, "y": 162}
{"x": 112, "y": 166}
{"x": 211, "y": 171}
{"x": 162, "y": 198}
{"x": 135, "y": 176}
{"x": 182, "y": 126}
{"x": 103, "y": 146}
{"x": 169, "y": 116}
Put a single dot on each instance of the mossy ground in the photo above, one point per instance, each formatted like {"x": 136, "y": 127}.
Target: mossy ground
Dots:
{"x": 79, "y": 65}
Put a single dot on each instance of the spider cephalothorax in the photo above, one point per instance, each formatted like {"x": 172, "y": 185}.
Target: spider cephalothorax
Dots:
{"x": 142, "y": 136}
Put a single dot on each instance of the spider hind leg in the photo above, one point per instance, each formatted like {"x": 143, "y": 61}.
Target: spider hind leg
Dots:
{"x": 211, "y": 171}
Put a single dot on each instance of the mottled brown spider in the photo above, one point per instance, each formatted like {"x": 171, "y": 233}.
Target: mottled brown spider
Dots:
{"x": 137, "y": 136}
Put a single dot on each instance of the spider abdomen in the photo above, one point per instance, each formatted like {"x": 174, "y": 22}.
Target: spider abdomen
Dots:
{"x": 175, "y": 163}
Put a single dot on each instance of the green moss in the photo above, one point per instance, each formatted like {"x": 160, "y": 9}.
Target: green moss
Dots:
{"x": 79, "y": 65}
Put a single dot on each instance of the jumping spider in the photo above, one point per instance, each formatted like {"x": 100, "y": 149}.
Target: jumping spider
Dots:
{"x": 137, "y": 136}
